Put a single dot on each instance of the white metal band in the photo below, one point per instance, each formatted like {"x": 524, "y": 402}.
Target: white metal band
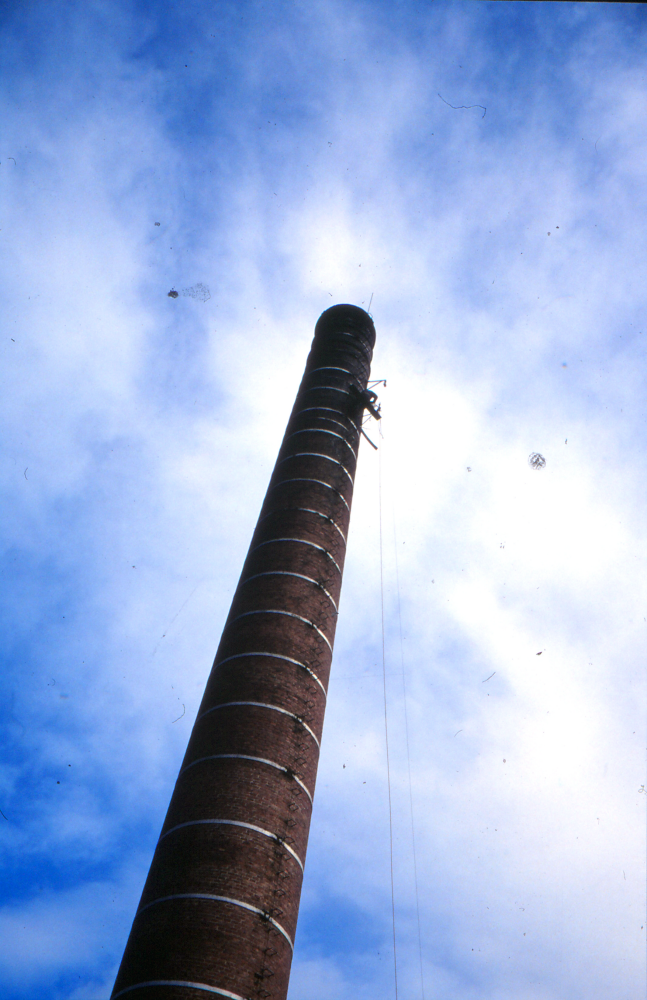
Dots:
{"x": 332, "y": 388}
{"x": 258, "y": 760}
{"x": 222, "y": 899}
{"x": 331, "y": 420}
{"x": 302, "y": 541}
{"x": 288, "y": 614}
{"x": 261, "y": 704}
{"x": 300, "y": 576}
{"x": 330, "y": 409}
{"x": 275, "y": 656}
{"x": 306, "y": 510}
{"x": 320, "y": 482}
{"x": 326, "y": 517}
{"x": 330, "y": 368}
{"x": 353, "y": 336}
{"x": 316, "y": 454}
{"x": 323, "y": 430}
{"x": 235, "y": 822}
{"x": 179, "y": 982}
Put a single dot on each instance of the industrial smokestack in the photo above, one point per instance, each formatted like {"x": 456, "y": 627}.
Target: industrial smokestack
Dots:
{"x": 218, "y": 913}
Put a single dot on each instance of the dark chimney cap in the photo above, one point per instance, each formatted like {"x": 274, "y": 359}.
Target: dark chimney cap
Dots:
{"x": 348, "y": 319}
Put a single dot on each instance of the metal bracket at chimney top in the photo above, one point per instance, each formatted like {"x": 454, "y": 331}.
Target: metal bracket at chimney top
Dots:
{"x": 368, "y": 399}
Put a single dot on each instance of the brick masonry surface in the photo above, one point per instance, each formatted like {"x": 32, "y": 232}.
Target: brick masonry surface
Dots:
{"x": 219, "y": 909}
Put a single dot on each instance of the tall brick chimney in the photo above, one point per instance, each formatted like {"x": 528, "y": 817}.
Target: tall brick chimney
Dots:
{"x": 218, "y": 913}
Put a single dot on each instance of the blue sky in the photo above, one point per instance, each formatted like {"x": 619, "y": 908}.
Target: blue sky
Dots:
{"x": 267, "y": 161}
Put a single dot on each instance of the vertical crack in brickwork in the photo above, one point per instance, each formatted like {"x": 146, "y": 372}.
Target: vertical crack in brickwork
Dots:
{"x": 220, "y": 904}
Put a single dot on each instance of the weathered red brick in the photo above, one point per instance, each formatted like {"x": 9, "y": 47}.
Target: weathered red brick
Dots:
{"x": 220, "y": 904}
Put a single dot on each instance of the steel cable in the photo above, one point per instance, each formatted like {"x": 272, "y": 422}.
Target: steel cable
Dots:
{"x": 386, "y": 721}
{"x": 406, "y": 730}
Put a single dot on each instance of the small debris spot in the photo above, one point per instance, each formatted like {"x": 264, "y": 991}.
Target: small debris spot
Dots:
{"x": 173, "y": 294}
{"x": 199, "y": 291}
{"x": 158, "y": 223}
{"x": 536, "y": 461}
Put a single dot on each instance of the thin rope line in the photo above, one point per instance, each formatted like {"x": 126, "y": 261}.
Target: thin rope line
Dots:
{"x": 406, "y": 730}
{"x": 386, "y": 721}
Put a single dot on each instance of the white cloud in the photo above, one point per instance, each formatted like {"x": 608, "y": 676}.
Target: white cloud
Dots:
{"x": 141, "y": 433}
{"x": 54, "y": 931}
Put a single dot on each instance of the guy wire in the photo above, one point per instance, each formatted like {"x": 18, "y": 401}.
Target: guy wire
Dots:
{"x": 406, "y": 730}
{"x": 386, "y": 723}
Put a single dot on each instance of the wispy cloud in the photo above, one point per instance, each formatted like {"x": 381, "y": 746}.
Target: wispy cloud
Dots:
{"x": 285, "y": 159}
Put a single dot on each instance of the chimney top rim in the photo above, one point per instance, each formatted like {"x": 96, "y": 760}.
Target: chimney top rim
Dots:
{"x": 346, "y": 318}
